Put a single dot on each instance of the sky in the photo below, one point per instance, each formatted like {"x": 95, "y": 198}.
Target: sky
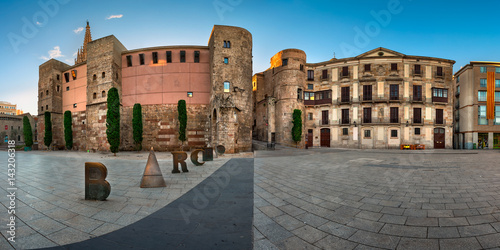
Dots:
{"x": 35, "y": 31}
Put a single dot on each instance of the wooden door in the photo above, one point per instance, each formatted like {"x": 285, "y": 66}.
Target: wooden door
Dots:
{"x": 325, "y": 137}
{"x": 324, "y": 117}
{"x": 310, "y": 138}
{"x": 439, "y": 138}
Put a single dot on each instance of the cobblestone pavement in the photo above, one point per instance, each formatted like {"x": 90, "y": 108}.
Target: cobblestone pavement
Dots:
{"x": 50, "y": 205}
{"x": 369, "y": 199}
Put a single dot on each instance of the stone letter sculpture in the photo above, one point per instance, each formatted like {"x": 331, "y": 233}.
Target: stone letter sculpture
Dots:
{"x": 96, "y": 186}
{"x": 194, "y": 157}
{"x": 208, "y": 154}
{"x": 152, "y": 176}
{"x": 179, "y": 157}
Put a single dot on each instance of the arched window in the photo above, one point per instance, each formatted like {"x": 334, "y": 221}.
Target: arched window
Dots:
{"x": 103, "y": 74}
{"x": 103, "y": 93}
{"x": 226, "y": 86}
{"x": 94, "y": 77}
{"x": 58, "y": 88}
{"x": 47, "y": 92}
{"x": 116, "y": 76}
{"x": 95, "y": 95}
{"x": 46, "y": 107}
{"x": 41, "y": 107}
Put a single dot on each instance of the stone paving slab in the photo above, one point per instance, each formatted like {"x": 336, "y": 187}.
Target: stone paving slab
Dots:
{"x": 376, "y": 199}
{"x": 50, "y": 205}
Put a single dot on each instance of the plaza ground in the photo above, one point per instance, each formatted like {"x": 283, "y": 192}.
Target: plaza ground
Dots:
{"x": 302, "y": 199}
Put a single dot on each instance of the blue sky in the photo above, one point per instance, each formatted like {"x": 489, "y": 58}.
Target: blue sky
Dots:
{"x": 459, "y": 30}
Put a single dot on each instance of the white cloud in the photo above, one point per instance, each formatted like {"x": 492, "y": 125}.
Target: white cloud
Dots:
{"x": 114, "y": 16}
{"x": 69, "y": 61}
{"x": 74, "y": 54}
{"x": 39, "y": 24}
{"x": 77, "y": 31}
{"x": 55, "y": 53}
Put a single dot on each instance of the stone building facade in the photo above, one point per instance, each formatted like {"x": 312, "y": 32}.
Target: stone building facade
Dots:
{"x": 379, "y": 99}
{"x": 215, "y": 81}
{"x": 472, "y": 128}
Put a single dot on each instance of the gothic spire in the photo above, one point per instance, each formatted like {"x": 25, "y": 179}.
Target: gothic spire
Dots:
{"x": 82, "y": 54}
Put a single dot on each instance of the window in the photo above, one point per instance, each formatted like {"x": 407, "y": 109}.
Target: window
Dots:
{"x": 417, "y": 92}
{"x": 345, "y": 116}
{"x": 299, "y": 94}
{"x": 481, "y": 96}
{"x": 41, "y": 107}
{"x": 46, "y": 107}
{"x": 368, "y": 133}
{"x": 94, "y": 96}
{"x": 394, "y": 133}
{"x": 74, "y": 105}
{"x": 439, "y": 71}
{"x": 310, "y": 86}
{"x": 439, "y": 116}
{"x": 324, "y": 74}
{"x": 66, "y": 76}
{"x": 155, "y": 57}
{"x": 94, "y": 77}
{"x": 309, "y": 96}
{"x": 169, "y": 56}
{"x": 46, "y": 92}
{"x": 226, "y": 60}
{"x": 458, "y": 79}
{"x": 57, "y": 77}
{"x": 73, "y": 74}
{"x": 18, "y": 138}
{"x": 183, "y": 56}
{"x": 345, "y": 96}
{"x": 497, "y": 115}
{"x": 458, "y": 89}
{"x": 368, "y": 67}
{"x": 394, "y": 115}
{"x": 141, "y": 59}
{"x": 497, "y": 69}
{"x": 417, "y": 131}
{"x": 345, "y": 71}
{"x": 226, "y": 87}
{"x": 394, "y": 67}
{"x": 439, "y": 95}
{"x": 129, "y": 61}
{"x": 310, "y": 75}
{"x": 190, "y": 94}
{"x": 497, "y": 83}
{"x": 227, "y": 44}
{"x": 367, "y": 115}
{"x": 497, "y": 96}
{"x": 103, "y": 94}
{"x": 284, "y": 62}
{"x": 309, "y": 116}
{"x": 67, "y": 88}
{"x": 345, "y": 131}
{"x": 324, "y": 117}
{"x": 394, "y": 91}
{"x": 103, "y": 74}
{"x": 301, "y": 67}
{"x": 482, "y": 82}
{"x": 482, "y": 116}
{"x": 417, "y": 115}
{"x": 416, "y": 70}
{"x": 196, "y": 56}
{"x": 58, "y": 88}
{"x": 367, "y": 92}
{"x": 482, "y": 69}
{"x": 41, "y": 95}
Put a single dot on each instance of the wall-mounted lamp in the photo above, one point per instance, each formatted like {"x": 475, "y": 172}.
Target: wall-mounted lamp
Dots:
{"x": 407, "y": 123}
{"x": 355, "y": 124}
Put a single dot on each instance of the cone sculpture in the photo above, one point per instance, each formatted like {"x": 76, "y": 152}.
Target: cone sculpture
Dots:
{"x": 152, "y": 176}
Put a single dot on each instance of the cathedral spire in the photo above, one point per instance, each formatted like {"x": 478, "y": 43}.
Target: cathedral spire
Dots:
{"x": 82, "y": 54}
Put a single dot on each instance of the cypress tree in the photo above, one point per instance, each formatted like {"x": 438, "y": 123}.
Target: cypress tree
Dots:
{"x": 181, "y": 109}
{"x": 68, "y": 131}
{"x": 113, "y": 120}
{"x": 137, "y": 126}
{"x": 47, "y": 140}
{"x": 297, "y": 125}
{"x": 28, "y": 133}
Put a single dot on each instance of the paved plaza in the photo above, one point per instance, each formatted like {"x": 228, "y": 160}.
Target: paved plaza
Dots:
{"x": 302, "y": 199}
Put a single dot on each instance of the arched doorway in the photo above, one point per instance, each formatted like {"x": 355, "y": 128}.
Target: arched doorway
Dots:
{"x": 325, "y": 137}
{"x": 439, "y": 138}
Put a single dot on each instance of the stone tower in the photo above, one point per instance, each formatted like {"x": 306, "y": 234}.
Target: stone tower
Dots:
{"x": 50, "y": 99}
{"x": 103, "y": 72}
{"x": 231, "y": 116}
{"x": 288, "y": 70}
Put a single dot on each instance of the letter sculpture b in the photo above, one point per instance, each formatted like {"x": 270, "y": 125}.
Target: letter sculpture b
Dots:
{"x": 96, "y": 186}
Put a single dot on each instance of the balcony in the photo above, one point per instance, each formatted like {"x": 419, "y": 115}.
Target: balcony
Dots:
{"x": 398, "y": 98}
{"x": 366, "y": 98}
{"x": 440, "y": 122}
{"x": 380, "y": 121}
{"x": 417, "y": 73}
{"x": 345, "y": 121}
{"x": 417, "y": 121}
{"x": 457, "y": 105}
{"x": 457, "y": 94}
{"x": 344, "y": 100}
{"x": 457, "y": 116}
{"x": 417, "y": 99}
{"x": 325, "y": 78}
{"x": 439, "y": 99}
{"x": 343, "y": 75}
